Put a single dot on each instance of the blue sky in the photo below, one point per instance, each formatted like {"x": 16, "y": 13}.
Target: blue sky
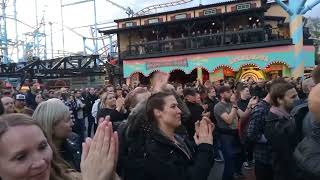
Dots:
{"x": 81, "y": 15}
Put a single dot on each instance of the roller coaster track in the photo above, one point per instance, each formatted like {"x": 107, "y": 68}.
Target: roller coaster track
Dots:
{"x": 69, "y": 66}
{"x": 151, "y": 9}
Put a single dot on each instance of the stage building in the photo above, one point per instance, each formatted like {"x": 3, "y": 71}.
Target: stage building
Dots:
{"x": 238, "y": 39}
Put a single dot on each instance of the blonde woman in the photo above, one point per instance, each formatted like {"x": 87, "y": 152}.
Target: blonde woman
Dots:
{"x": 26, "y": 153}
{"x": 113, "y": 108}
{"x": 54, "y": 117}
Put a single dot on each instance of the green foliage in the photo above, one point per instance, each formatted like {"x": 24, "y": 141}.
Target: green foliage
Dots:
{"x": 316, "y": 34}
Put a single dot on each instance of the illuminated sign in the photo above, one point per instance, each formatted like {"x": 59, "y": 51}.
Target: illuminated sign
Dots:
{"x": 276, "y": 67}
{"x": 155, "y": 65}
{"x": 236, "y": 59}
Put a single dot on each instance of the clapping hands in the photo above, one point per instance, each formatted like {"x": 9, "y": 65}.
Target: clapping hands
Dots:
{"x": 159, "y": 80}
{"x": 119, "y": 104}
{"x": 204, "y": 131}
{"x": 100, "y": 154}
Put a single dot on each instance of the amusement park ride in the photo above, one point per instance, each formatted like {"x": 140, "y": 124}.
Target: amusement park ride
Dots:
{"x": 34, "y": 62}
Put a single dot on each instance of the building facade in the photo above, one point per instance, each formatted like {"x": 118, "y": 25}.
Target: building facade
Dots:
{"x": 238, "y": 39}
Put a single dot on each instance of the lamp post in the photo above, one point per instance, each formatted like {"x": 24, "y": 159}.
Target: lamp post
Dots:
{"x": 296, "y": 9}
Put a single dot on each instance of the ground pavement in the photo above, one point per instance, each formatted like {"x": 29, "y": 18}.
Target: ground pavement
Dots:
{"x": 217, "y": 170}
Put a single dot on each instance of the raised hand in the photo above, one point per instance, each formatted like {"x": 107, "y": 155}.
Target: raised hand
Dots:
{"x": 206, "y": 114}
{"x": 205, "y": 107}
{"x": 120, "y": 102}
{"x": 107, "y": 119}
{"x": 99, "y": 156}
{"x": 253, "y": 101}
{"x": 159, "y": 80}
{"x": 204, "y": 129}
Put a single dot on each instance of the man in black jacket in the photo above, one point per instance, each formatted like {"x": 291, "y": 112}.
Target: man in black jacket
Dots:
{"x": 195, "y": 109}
{"x": 280, "y": 131}
{"x": 89, "y": 101}
{"x": 211, "y": 100}
{"x": 31, "y": 97}
{"x": 307, "y": 153}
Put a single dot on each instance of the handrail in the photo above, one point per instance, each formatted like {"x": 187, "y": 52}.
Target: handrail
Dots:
{"x": 202, "y": 41}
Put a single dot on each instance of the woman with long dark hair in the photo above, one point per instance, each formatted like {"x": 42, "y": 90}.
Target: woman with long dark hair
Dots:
{"x": 166, "y": 154}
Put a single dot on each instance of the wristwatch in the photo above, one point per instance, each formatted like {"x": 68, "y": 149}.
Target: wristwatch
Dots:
{"x": 236, "y": 107}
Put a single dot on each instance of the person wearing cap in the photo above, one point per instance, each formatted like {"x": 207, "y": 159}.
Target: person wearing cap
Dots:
{"x": 226, "y": 115}
{"x": 20, "y": 103}
{"x": 195, "y": 109}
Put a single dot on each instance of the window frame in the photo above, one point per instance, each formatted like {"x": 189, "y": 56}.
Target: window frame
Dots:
{"x": 129, "y": 24}
{"x": 180, "y": 16}
{"x": 156, "y": 20}
{"x": 211, "y": 11}
{"x": 243, "y": 6}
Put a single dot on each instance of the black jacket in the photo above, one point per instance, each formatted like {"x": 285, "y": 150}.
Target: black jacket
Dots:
{"x": 196, "y": 115}
{"x": 211, "y": 103}
{"x": 71, "y": 151}
{"x": 115, "y": 117}
{"x": 89, "y": 101}
{"x": 307, "y": 155}
{"x": 163, "y": 160}
{"x": 31, "y": 100}
{"x": 281, "y": 133}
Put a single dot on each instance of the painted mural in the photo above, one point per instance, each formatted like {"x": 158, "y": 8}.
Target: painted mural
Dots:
{"x": 260, "y": 57}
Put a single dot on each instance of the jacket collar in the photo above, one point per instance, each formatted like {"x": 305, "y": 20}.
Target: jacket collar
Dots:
{"x": 316, "y": 131}
{"x": 280, "y": 112}
{"x": 158, "y": 136}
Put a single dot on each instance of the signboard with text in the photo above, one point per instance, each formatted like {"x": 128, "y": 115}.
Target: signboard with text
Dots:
{"x": 260, "y": 57}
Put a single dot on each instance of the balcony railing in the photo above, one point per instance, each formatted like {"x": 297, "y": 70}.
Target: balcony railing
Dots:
{"x": 226, "y": 39}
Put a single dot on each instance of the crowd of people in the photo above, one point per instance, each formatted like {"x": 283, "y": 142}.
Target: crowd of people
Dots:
{"x": 164, "y": 131}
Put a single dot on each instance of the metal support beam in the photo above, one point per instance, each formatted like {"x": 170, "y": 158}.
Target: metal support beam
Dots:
{"x": 72, "y": 66}
{"x": 296, "y": 10}
{"x": 95, "y": 41}
{"x": 16, "y": 27}
{"x": 62, "y": 27}
{"x": 111, "y": 46}
{"x": 75, "y": 3}
{"x": 94, "y": 32}
{"x": 300, "y": 6}
{"x": 4, "y": 35}
{"x": 309, "y": 7}
{"x": 150, "y": 9}
{"x": 285, "y": 7}
{"x": 37, "y": 41}
{"x": 128, "y": 10}
{"x": 51, "y": 39}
